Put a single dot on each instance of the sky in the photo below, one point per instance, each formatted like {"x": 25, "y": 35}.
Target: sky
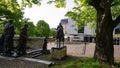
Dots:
{"x": 48, "y": 13}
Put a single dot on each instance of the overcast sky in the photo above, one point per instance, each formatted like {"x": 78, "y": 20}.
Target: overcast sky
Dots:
{"x": 48, "y": 13}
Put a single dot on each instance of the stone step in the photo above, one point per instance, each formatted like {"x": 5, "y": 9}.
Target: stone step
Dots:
{"x": 36, "y": 55}
{"x": 49, "y": 63}
{"x": 33, "y": 51}
{"x": 29, "y": 59}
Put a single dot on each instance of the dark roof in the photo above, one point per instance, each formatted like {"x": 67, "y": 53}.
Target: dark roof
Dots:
{"x": 64, "y": 21}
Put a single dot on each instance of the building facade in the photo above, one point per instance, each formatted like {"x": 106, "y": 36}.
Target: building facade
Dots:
{"x": 71, "y": 30}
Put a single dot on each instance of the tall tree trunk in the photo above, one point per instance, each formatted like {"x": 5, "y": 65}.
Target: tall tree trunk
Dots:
{"x": 104, "y": 50}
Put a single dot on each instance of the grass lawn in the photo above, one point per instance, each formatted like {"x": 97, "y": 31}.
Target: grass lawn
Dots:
{"x": 84, "y": 63}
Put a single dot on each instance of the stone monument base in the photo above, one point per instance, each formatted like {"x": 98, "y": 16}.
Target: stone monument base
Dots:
{"x": 58, "y": 53}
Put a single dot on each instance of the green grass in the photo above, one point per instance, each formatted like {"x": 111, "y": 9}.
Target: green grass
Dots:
{"x": 117, "y": 64}
{"x": 84, "y": 63}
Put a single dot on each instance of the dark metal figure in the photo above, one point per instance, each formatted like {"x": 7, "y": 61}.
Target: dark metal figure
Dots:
{"x": 8, "y": 38}
{"x": 60, "y": 35}
{"x": 21, "y": 49}
{"x": 44, "y": 47}
{"x": 1, "y": 43}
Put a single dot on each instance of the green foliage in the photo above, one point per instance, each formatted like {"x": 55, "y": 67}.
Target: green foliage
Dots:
{"x": 1, "y": 28}
{"x": 12, "y": 9}
{"x": 115, "y": 11}
{"x": 83, "y": 15}
{"x": 18, "y": 26}
{"x": 31, "y": 29}
{"x": 29, "y": 3}
{"x": 117, "y": 64}
{"x": 81, "y": 29}
{"x": 43, "y": 29}
{"x": 53, "y": 33}
{"x": 58, "y": 3}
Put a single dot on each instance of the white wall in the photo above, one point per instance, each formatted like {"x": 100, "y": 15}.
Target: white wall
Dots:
{"x": 88, "y": 30}
{"x": 72, "y": 29}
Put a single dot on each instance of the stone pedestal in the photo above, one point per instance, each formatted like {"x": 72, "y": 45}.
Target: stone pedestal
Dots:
{"x": 58, "y": 53}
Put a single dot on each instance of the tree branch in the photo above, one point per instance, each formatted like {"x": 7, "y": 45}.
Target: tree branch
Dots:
{"x": 96, "y": 4}
{"x": 116, "y": 21}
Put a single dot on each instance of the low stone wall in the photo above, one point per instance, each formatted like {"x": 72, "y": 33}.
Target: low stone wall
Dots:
{"x": 33, "y": 42}
{"x": 58, "y": 53}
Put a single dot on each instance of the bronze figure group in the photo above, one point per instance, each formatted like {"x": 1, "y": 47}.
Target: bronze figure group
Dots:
{"x": 6, "y": 40}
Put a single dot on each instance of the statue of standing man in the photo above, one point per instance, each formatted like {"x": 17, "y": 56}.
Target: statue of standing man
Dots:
{"x": 9, "y": 32}
{"x": 21, "y": 49}
{"x": 60, "y": 35}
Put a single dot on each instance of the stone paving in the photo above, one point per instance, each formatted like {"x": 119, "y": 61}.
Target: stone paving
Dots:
{"x": 78, "y": 50}
{"x": 4, "y": 63}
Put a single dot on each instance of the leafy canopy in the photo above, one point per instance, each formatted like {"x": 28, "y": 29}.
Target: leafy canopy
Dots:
{"x": 43, "y": 29}
{"x": 12, "y": 9}
{"x": 31, "y": 29}
{"x": 83, "y": 13}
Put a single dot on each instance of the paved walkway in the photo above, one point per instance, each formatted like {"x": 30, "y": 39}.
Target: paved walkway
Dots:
{"x": 72, "y": 49}
{"x": 78, "y": 50}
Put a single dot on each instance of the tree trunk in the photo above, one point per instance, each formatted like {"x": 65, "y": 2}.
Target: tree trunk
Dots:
{"x": 104, "y": 50}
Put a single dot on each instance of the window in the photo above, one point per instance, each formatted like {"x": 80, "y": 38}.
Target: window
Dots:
{"x": 81, "y": 29}
{"x": 117, "y": 31}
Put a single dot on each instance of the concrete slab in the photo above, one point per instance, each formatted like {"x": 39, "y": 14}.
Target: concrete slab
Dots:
{"x": 37, "y": 60}
{"x": 7, "y": 58}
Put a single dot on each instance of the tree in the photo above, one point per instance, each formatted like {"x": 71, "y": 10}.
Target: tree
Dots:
{"x": 12, "y": 9}
{"x": 31, "y": 29}
{"x": 107, "y": 17}
{"x": 53, "y": 32}
{"x": 43, "y": 29}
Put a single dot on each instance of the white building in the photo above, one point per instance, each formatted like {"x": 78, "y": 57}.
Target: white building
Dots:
{"x": 70, "y": 30}
{"x": 69, "y": 26}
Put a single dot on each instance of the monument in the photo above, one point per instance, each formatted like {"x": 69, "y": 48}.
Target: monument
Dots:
{"x": 44, "y": 47}
{"x": 1, "y": 43}
{"x": 21, "y": 48}
{"x": 59, "y": 52}
{"x": 7, "y": 38}
{"x": 60, "y": 35}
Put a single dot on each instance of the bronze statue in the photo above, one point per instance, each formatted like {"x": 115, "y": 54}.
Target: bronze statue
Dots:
{"x": 8, "y": 34}
{"x": 21, "y": 49}
{"x": 44, "y": 47}
{"x": 1, "y": 43}
{"x": 60, "y": 35}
